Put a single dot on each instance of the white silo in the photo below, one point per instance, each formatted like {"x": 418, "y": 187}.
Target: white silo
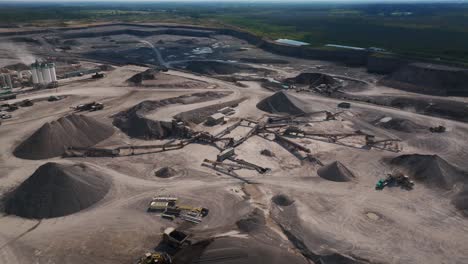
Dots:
{"x": 2, "y": 81}
{"x": 8, "y": 80}
{"x": 39, "y": 74}
{"x": 46, "y": 74}
{"x": 53, "y": 75}
{"x": 35, "y": 77}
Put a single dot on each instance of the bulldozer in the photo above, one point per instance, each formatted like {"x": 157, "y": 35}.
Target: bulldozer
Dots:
{"x": 155, "y": 258}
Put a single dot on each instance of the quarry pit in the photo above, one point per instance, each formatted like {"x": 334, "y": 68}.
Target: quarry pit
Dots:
{"x": 257, "y": 134}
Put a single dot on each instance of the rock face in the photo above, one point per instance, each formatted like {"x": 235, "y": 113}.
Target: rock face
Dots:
{"x": 384, "y": 65}
{"x": 220, "y": 68}
{"x": 282, "y": 102}
{"x": 56, "y": 190}
{"x": 430, "y": 79}
{"x": 335, "y": 171}
{"x": 430, "y": 169}
{"x": 52, "y": 139}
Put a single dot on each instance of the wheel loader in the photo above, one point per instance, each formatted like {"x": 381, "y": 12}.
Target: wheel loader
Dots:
{"x": 155, "y": 258}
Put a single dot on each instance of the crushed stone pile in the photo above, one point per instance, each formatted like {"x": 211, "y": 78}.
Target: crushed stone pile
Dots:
{"x": 431, "y": 169}
{"x": 282, "y": 200}
{"x": 403, "y": 125}
{"x": 138, "y": 78}
{"x": 460, "y": 200}
{"x": 267, "y": 152}
{"x": 313, "y": 79}
{"x": 52, "y": 139}
{"x": 336, "y": 171}
{"x": 134, "y": 122}
{"x": 282, "y": 102}
{"x": 165, "y": 172}
{"x": 252, "y": 222}
{"x": 56, "y": 190}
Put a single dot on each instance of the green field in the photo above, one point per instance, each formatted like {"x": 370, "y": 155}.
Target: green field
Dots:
{"x": 436, "y": 31}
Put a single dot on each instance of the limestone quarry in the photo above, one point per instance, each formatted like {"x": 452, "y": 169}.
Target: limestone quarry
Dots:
{"x": 212, "y": 145}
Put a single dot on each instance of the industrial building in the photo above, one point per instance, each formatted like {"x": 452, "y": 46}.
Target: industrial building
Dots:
{"x": 43, "y": 74}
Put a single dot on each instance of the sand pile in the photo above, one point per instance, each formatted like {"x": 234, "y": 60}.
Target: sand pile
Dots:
{"x": 268, "y": 153}
{"x": 431, "y": 169}
{"x": 282, "y": 102}
{"x": 282, "y": 200}
{"x": 138, "y": 78}
{"x": 252, "y": 222}
{"x": 56, "y": 190}
{"x": 313, "y": 79}
{"x": 336, "y": 171}
{"x": 134, "y": 122}
{"x": 165, "y": 172}
{"x": 402, "y": 125}
{"x": 52, "y": 139}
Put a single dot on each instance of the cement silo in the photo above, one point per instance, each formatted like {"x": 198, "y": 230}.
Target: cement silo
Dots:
{"x": 35, "y": 78}
{"x": 53, "y": 75}
{"x": 46, "y": 74}
{"x": 2, "y": 81}
{"x": 8, "y": 81}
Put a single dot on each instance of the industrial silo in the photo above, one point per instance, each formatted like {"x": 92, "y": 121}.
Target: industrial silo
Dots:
{"x": 53, "y": 75}
{"x": 34, "y": 69}
{"x": 46, "y": 74}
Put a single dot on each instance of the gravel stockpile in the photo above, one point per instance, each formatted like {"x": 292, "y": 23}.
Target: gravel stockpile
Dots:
{"x": 56, "y": 190}
{"x": 282, "y": 200}
{"x": 313, "y": 79}
{"x": 336, "y": 171}
{"x": 282, "y": 102}
{"x": 52, "y": 139}
{"x": 431, "y": 169}
{"x": 134, "y": 122}
{"x": 165, "y": 172}
{"x": 402, "y": 125}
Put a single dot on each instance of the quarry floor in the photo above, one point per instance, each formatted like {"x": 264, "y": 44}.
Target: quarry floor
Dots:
{"x": 350, "y": 218}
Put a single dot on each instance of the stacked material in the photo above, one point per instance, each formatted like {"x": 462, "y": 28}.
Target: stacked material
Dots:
{"x": 52, "y": 139}
{"x": 56, "y": 190}
{"x": 336, "y": 171}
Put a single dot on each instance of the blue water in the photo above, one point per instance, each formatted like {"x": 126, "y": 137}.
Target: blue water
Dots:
{"x": 292, "y": 42}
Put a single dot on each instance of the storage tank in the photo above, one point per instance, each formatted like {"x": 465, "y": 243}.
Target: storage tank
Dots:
{"x": 2, "y": 81}
{"x": 8, "y": 80}
{"x": 46, "y": 74}
{"x": 35, "y": 79}
{"x": 39, "y": 75}
{"x": 53, "y": 75}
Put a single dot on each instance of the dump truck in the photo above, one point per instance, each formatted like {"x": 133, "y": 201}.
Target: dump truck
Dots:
{"x": 175, "y": 238}
{"x": 98, "y": 75}
{"x": 437, "y": 129}
{"x": 93, "y": 106}
{"x": 26, "y": 103}
{"x": 155, "y": 258}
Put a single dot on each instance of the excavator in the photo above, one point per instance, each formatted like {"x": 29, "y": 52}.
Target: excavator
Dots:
{"x": 397, "y": 178}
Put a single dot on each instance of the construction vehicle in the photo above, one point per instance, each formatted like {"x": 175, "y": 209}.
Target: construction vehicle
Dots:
{"x": 4, "y": 116}
{"x": 9, "y": 107}
{"x": 26, "y": 103}
{"x": 161, "y": 203}
{"x": 93, "y": 106}
{"x": 54, "y": 98}
{"x": 98, "y": 75}
{"x": 155, "y": 258}
{"x": 175, "y": 238}
{"x": 397, "y": 179}
{"x": 437, "y": 129}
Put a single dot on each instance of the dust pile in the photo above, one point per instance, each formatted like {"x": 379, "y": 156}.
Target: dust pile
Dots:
{"x": 52, "y": 139}
{"x": 313, "y": 79}
{"x": 138, "y": 78}
{"x": 282, "y": 102}
{"x": 282, "y": 200}
{"x": 400, "y": 124}
{"x": 134, "y": 122}
{"x": 460, "y": 200}
{"x": 431, "y": 169}
{"x": 336, "y": 171}
{"x": 165, "y": 172}
{"x": 56, "y": 190}
{"x": 252, "y": 222}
